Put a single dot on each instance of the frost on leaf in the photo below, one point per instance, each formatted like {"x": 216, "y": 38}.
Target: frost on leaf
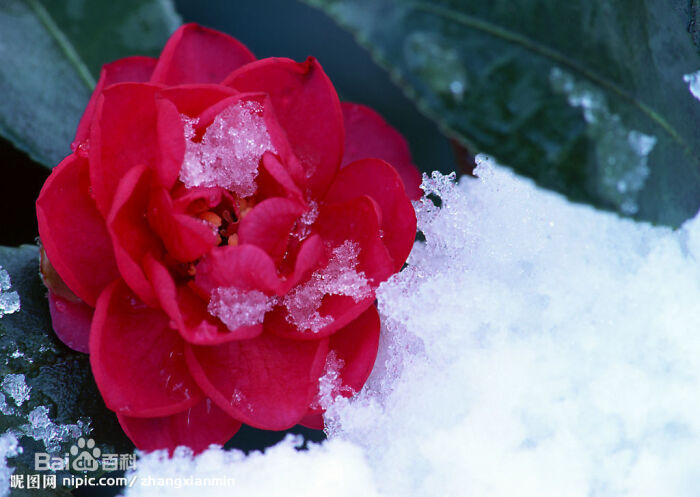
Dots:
{"x": 693, "y": 80}
{"x": 339, "y": 277}
{"x": 237, "y": 308}
{"x": 622, "y": 153}
{"x": 229, "y": 151}
{"x": 9, "y": 301}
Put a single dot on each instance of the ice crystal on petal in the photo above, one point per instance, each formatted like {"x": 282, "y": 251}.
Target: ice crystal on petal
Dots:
{"x": 330, "y": 384}
{"x": 339, "y": 277}
{"x": 237, "y": 308}
{"x": 229, "y": 151}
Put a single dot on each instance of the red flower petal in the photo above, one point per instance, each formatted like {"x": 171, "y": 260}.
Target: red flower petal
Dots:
{"x": 135, "y": 69}
{"x": 125, "y": 134}
{"x": 193, "y": 99}
{"x": 380, "y": 181}
{"x": 71, "y": 321}
{"x": 72, "y": 231}
{"x": 137, "y": 359}
{"x": 274, "y": 180}
{"x": 267, "y": 382}
{"x": 269, "y": 224}
{"x": 188, "y": 311}
{"x": 171, "y": 143}
{"x": 308, "y": 109}
{"x": 313, "y": 421}
{"x": 245, "y": 267}
{"x": 185, "y": 238}
{"x": 195, "y": 54}
{"x": 368, "y": 135}
{"x": 196, "y": 427}
{"x": 357, "y": 220}
{"x": 356, "y": 345}
{"x": 131, "y": 235}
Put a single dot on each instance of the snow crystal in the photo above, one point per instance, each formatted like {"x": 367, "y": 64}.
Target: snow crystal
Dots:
{"x": 532, "y": 347}
{"x": 9, "y": 301}
{"x": 622, "y": 153}
{"x": 306, "y": 220}
{"x": 236, "y": 308}
{"x": 693, "y": 80}
{"x": 330, "y": 385}
{"x": 339, "y": 277}
{"x": 15, "y": 386}
{"x": 8, "y": 448}
{"x": 230, "y": 149}
{"x": 335, "y": 468}
{"x": 41, "y": 428}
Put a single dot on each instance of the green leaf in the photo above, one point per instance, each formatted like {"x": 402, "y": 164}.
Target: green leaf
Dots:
{"x": 585, "y": 96}
{"x": 51, "y": 52}
{"x": 62, "y": 401}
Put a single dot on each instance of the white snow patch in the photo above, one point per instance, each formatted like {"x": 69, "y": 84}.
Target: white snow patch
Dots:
{"x": 237, "y": 308}
{"x": 15, "y": 386}
{"x": 8, "y": 448}
{"x": 693, "y": 80}
{"x": 230, "y": 149}
{"x": 532, "y": 348}
{"x": 335, "y": 468}
{"x": 9, "y": 301}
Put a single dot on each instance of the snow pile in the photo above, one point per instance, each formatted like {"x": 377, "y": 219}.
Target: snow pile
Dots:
{"x": 337, "y": 468}
{"x": 693, "y": 80}
{"x": 229, "y": 151}
{"x": 8, "y": 448}
{"x": 236, "y": 308}
{"x": 531, "y": 348}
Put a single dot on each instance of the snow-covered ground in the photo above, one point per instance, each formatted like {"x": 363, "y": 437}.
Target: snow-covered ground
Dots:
{"x": 532, "y": 348}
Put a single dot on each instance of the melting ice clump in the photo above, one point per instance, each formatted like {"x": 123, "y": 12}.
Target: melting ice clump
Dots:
{"x": 693, "y": 80}
{"x": 532, "y": 347}
{"x": 229, "y": 151}
{"x": 9, "y": 301}
{"x": 339, "y": 277}
{"x": 237, "y": 308}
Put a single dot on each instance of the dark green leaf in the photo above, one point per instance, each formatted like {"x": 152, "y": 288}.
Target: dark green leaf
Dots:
{"x": 585, "y": 96}
{"x": 51, "y": 52}
{"x": 63, "y": 399}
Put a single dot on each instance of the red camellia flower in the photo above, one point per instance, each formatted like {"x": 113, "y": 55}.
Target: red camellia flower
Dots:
{"x": 216, "y": 237}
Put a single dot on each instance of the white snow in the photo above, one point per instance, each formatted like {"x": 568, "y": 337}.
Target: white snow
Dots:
{"x": 229, "y": 151}
{"x": 339, "y": 277}
{"x": 693, "y": 80}
{"x": 8, "y": 448}
{"x": 9, "y": 301}
{"x": 237, "y": 308}
{"x": 15, "y": 386}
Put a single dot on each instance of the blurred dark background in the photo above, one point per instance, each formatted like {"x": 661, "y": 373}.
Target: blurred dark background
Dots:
{"x": 269, "y": 28}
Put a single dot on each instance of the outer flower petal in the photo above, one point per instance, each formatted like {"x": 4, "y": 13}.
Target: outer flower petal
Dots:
{"x": 188, "y": 311}
{"x": 135, "y": 69}
{"x": 269, "y": 224}
{"x": 73, "y": 233}
{"x": 357, "y": 220}
{"x": 368, "y": 135}
{"x": 128, "y": 131}
{"x": 195, "y": 54}
{"x": 132, "y": 237}
{"x": 274, "y": 180}
{"x": 313, "y": 420}
{"x": 137, "y": 360}
{"x": 303, "y": 97}
{"x": 266, "y": 382}
{"x": 356, "y": 345}
{"x": 71, "y": 321}
{"x": 197, "y": 427}
{"x": 385, "y": 187}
